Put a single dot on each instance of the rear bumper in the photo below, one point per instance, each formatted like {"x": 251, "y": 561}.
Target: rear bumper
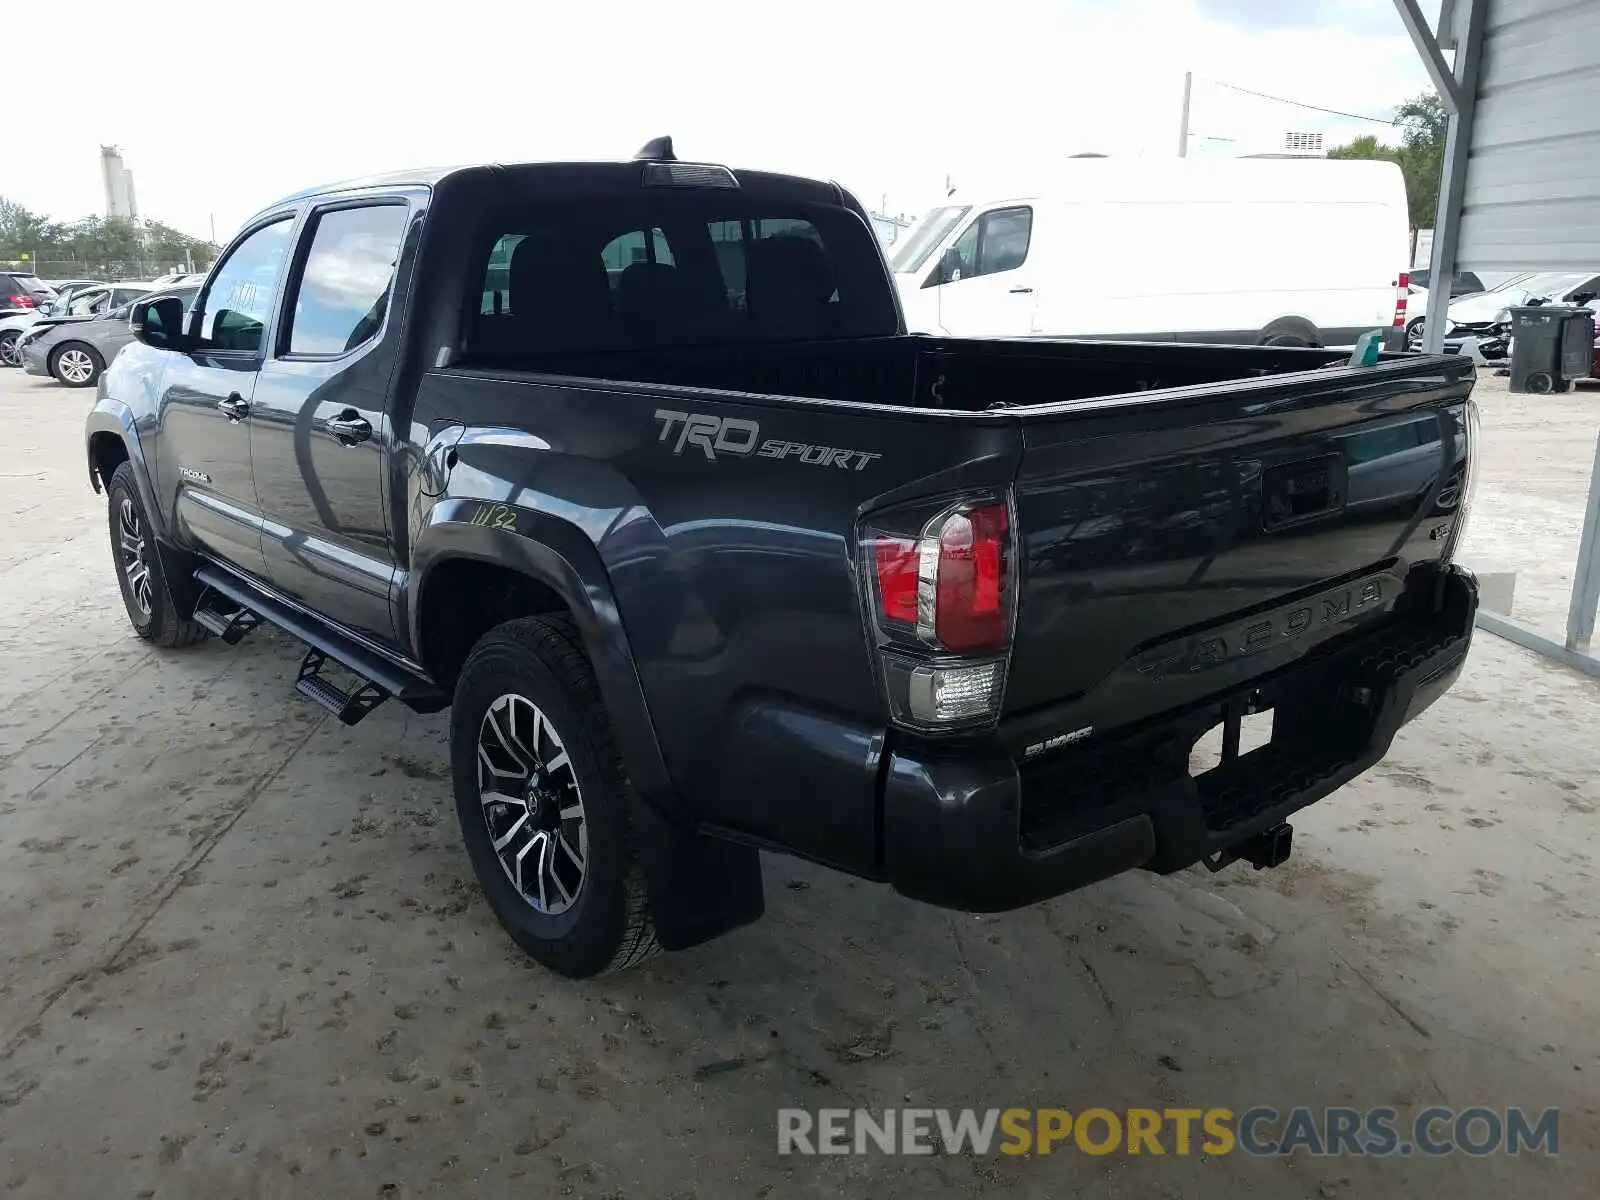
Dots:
{"x": 984, "y": 834}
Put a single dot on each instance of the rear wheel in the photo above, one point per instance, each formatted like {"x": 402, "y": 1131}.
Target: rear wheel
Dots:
{"x": 544, "y": 804}
{"x": 9, "y": 355}
{"x": 1290, "y": 332}
{"x": 75, "y": 364}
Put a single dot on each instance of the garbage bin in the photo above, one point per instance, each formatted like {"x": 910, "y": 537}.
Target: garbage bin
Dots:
{"x": 1552, "y": 344}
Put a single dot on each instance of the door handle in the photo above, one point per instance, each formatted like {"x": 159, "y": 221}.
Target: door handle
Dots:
{"x": 235, "y": 407}
{"x": 350, "y": 427}
{"x": 1021, "y": 291}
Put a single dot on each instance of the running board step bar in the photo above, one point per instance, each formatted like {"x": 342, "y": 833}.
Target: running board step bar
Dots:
{"x": 349, "y": 707}
{"x": 379, "y": 677}
{"x": 228, "y": 622}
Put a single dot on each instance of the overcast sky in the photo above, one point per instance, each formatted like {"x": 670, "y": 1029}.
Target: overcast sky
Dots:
{"x": 220, "y": 109}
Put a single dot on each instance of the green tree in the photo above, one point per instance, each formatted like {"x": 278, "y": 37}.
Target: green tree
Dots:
{"x": 1366, "y": 146}
{"x": 1422, "y": 122}
{"x": 25, "y": 232}
{"x": 99, "y": 246}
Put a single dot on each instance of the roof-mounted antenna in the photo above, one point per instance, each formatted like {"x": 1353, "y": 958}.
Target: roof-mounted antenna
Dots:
{"x": 656, "y": 150}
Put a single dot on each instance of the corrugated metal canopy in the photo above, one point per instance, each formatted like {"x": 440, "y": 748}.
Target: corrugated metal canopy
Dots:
{"x": 1532, "y": 188}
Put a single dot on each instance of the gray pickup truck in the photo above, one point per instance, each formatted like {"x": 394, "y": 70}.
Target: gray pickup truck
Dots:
{"x": 634, "y": 467}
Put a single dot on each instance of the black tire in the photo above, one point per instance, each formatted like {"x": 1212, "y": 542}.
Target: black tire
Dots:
{"x": 80, "y": 352}
{"x": 8, "y": 348}
{"x": 1290, "y": 332}
{"x": 1415, "y": 331}
{"x": 151, "y": 611}
{"x": 608, "y": 926}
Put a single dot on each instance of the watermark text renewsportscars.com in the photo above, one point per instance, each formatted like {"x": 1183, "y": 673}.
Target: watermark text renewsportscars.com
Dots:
{"x": 1259, "y": 1132}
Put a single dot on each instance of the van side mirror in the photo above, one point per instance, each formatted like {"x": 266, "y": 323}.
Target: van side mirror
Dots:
{"x": 159, "y": 323}
{"x": 950, "y": 266}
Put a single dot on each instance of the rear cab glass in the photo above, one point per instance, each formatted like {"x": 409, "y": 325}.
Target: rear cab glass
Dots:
{"x": 672, "y": 268}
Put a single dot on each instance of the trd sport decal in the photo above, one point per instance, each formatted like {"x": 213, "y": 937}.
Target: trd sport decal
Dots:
{"x": 740, "y": 439}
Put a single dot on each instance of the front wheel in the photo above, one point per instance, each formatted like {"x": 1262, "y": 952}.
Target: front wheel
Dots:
{"x": 76, "y": 365}
{"x": 9, "y": 354}
{"x": 151, "y": 611}
{"x": 544, "y": 804}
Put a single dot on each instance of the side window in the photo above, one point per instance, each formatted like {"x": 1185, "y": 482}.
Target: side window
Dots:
{"x": 239, "y": 300}
{"x": 1003, "y": 245}
{"x": 344, "y": 287}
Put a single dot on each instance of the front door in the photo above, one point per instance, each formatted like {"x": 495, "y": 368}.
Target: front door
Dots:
{"x": 206, "y": 394}
{"x": 992, "y": 291}
{"x": 319, "y": 433}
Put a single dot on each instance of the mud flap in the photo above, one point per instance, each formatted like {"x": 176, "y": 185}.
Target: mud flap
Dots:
{"x": 700, "y": 887}
{"x": 179, "y": 567}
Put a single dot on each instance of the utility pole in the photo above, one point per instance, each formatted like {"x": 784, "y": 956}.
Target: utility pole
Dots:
{"x": 213, "y": 216}
{"x": 1183, "y": 128}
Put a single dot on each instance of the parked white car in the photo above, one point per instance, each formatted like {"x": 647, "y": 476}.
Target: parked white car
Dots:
{"x": 1472, "y": 316}
{"x": 11, "y": 330}
{"x": 1464, "y": 283}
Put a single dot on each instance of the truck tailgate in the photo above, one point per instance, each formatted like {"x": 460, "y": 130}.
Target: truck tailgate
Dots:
{"x": 1196, "y": 538}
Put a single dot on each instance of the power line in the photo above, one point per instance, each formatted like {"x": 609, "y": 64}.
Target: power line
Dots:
{"x": 1300, "y": 104}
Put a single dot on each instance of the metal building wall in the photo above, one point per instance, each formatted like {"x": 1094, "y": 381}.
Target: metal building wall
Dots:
{"x": 1532, "y": 199}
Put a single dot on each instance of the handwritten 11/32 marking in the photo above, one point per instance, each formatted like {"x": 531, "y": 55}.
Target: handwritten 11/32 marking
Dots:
{"x": 496, "y": 516}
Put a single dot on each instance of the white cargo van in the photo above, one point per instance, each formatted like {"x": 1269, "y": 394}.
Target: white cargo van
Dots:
{"x": 1249, "y": 251}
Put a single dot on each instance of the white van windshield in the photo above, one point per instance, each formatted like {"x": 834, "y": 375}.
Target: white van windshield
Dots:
{"x": 925, "y": 238}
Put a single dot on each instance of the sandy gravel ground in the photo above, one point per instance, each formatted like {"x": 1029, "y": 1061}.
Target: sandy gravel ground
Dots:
{"x": 241, "y": 953}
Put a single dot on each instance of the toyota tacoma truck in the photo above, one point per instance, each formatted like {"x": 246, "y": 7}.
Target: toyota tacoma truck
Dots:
{"x": 634, "y": 468}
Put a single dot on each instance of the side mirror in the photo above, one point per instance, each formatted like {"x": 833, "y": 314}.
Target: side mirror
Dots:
{"x": 159, "y": 323}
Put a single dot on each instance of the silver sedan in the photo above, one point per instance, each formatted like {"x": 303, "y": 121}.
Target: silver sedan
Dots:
{"x": 76, "y": 352}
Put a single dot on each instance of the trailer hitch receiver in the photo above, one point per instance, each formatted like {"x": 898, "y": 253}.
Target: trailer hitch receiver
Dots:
{"x": 1267, "y": 849}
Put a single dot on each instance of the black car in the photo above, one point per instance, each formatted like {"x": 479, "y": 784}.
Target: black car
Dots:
{"x": 1462, "y": 283}
{"x": 706, "y": 562}
{"x": 20, "y": 289}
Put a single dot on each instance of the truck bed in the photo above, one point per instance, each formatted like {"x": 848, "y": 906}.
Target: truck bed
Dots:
{"x": 944, "y": 373}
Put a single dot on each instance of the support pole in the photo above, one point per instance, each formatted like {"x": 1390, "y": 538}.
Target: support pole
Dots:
{"x": 1453, "y": 186}
{"x": 1586, "y": 578}
{"x": 1183, "y": 124}
{"x": 1447, "y": 85}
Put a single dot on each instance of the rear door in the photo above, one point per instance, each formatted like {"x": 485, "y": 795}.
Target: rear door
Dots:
{"x": 205, "y": 417}
{"x": 993, "y": 291}
{"x": 319, "y": 435}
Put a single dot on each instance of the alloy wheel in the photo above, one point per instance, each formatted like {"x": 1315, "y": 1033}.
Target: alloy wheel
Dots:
{"x": 135, "y": 566}
{"x": 532, "y": 804}
{"x": 10, "y": 356}
{"x": 75, "y": 366}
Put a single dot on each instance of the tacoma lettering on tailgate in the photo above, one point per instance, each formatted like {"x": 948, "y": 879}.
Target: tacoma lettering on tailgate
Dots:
{"x": 1251, "y": 636}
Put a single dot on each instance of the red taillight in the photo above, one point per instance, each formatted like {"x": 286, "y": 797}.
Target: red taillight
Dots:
{"x": 1402, "y": 290}
{"x": 969, "y": 610}
{"x": 20, "y": 300}
{"x": 896, "y": 563}
{"x": 948, "y": 586}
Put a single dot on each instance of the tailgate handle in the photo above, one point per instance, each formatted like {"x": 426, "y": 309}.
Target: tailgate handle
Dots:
{"x": 1303, "y": 491}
